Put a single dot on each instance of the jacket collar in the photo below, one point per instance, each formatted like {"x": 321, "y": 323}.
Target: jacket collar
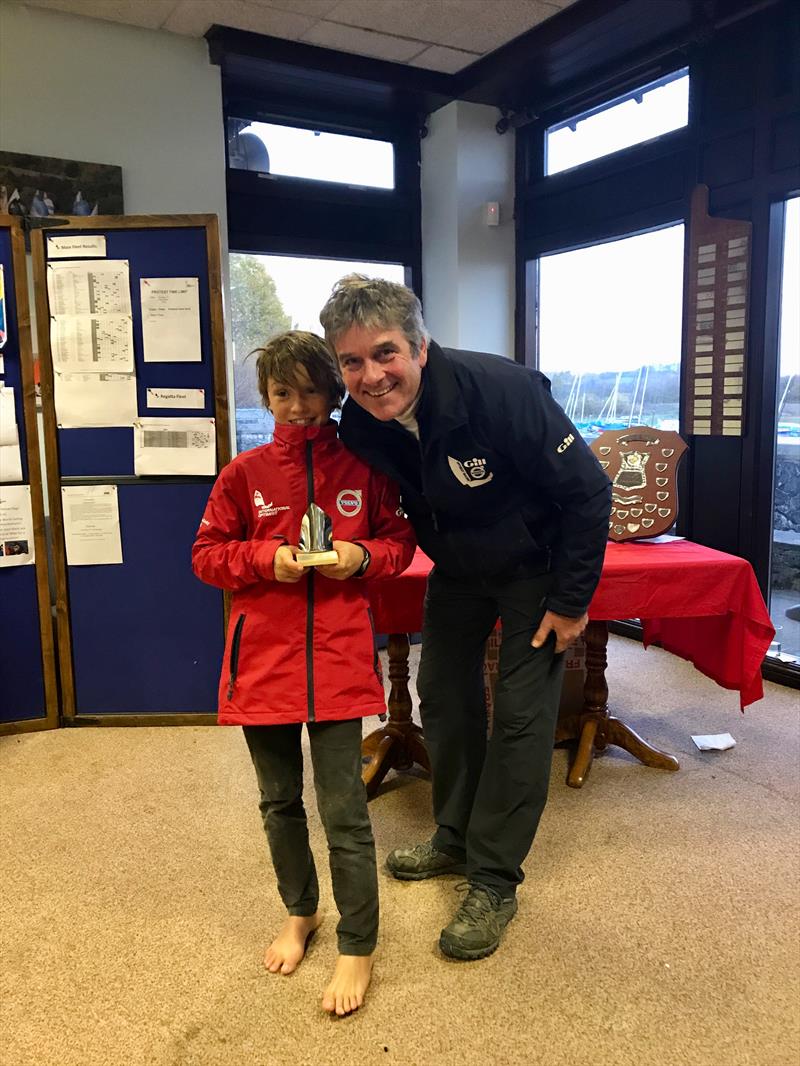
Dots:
{"x": 298, "y": 436}
{"x": 442, "y": 406}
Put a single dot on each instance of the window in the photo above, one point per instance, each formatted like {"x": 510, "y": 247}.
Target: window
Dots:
{"x": 785, "y": 582}
{"x": 653, "y": 109}
{"x": 292, "y": 152}
{"x": 610, "y": 331}
{"x": 269, "y": 294}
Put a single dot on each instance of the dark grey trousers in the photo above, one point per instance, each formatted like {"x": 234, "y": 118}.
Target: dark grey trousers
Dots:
{"x": 342, "y": 803}
{"x": 488, "y": 795}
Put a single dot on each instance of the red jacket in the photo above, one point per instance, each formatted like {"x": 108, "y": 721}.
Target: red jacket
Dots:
{"x": 305, "y": 651}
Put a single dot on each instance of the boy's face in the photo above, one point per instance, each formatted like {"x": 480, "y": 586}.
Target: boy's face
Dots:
{"x": 298, "y": 404}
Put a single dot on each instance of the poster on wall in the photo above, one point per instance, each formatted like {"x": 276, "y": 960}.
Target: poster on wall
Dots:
{"x": 37, "y": 186}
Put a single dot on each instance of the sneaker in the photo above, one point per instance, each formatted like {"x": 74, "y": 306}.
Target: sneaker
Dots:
{"x": 476, "y": 930}
{"x": 421, "y": 861}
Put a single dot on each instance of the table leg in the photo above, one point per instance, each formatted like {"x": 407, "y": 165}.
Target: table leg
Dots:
{"x": 597, "y": 729}
{"x": 398, "y": 744}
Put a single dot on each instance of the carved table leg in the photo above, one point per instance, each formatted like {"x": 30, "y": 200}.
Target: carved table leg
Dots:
{"x": 597, "y": 728}
{"x": 595, "y": 702}
{"x": 398, "y": 744}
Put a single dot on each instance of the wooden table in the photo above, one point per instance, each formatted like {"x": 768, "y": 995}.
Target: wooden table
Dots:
{"x": 695, "y": 602}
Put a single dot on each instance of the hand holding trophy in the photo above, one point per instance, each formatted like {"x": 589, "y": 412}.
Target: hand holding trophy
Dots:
{"x": 316, "y": 539}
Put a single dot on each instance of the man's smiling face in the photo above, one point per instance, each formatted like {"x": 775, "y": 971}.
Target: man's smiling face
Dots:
{"x": 380, "y": 371}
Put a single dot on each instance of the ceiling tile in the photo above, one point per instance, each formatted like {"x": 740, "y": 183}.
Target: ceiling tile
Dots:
{"x": 363, "y": 42}
{"x": 469, "y": 25}
{"x": 313, "y": 9}
{"x": 151, "y": 15}
{"x": 446, "y": 60}
{"x": 193, "y": 17}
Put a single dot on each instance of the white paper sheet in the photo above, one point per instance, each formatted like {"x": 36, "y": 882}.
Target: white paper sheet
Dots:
{"x": 171, "y": 320}
{"x": 10, "y": 463}
{"x": 714, "y": 741}
{"x": 9, "y": 433}
{"x": 174, "y": 446}
{"x": 191, "y": 399}
{"x": 93, "y": 288}
{"x": 77, "y": 244}
{"x": 91, "y": 524}
{"x": 92, "y": 342}
{"x": 16, "y": 526}
{"x": 84, "y": 400}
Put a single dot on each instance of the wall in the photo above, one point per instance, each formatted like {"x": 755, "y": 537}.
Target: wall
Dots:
{"x": 467, "y": 266}
{"x": 101, "y": 92}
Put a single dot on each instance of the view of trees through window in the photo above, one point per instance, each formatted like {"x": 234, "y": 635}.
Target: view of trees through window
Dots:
{"x": 270, "y": 294}
{"x": 610, "y": 331}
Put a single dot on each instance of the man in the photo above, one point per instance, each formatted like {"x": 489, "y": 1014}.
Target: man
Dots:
{"x": 513, "y": 508}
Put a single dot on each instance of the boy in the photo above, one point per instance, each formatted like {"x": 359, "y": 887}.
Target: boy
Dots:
{"x": 301, "y": 647}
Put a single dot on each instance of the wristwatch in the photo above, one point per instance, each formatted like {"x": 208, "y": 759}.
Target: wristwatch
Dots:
{"x": 364, "y": 562}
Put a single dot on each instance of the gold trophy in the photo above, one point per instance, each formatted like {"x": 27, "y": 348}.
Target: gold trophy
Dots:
{"x": 316, "y": 539}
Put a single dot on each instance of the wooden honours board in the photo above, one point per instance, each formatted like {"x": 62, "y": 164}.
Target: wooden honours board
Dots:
{"x": 717, "y": 298}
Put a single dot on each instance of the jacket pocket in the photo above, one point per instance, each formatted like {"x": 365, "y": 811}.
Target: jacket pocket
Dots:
{"x": 235, "y": 645}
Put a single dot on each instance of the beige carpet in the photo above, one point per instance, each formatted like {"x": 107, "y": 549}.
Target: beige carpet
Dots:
{"x": 658, "y": 923}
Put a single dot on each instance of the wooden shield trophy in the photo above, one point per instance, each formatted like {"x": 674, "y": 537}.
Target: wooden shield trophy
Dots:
{"x": 642, "y": 464}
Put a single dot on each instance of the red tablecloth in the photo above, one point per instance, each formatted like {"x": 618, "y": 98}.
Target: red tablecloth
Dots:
{"x": 695, "y": 602}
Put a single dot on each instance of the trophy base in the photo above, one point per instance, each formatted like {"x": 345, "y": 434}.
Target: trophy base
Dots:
{"x": 317, "y": 558}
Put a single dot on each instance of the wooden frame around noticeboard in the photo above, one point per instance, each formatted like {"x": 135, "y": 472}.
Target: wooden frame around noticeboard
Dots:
{"x": 23, "y": 323}
{"x": 103, "y": 223}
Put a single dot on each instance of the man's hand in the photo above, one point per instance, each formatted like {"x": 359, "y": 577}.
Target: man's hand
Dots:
{"x": 285, "y": 565}
{"x": 351, "y": 556}
{"x": 565, "y": 629}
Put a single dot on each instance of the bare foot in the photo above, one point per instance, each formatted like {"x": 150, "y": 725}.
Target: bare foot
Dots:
{"x": 288, "y": 948}
{"x": 349, "y": 984}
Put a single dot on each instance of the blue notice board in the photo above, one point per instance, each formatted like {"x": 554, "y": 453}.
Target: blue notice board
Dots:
{"x": 28, "y": 698}
{"x": 141, "y": 638}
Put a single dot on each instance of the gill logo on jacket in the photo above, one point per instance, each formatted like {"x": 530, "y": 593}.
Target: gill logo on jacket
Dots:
{"x": 470, "y": 472}
{"x": 348, "y": 502}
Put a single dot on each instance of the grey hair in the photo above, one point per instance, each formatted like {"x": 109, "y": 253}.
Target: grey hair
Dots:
{"x": 374, "y": 303}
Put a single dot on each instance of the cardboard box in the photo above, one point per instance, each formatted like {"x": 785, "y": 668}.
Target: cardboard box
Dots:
{"x": 574, "y": 673}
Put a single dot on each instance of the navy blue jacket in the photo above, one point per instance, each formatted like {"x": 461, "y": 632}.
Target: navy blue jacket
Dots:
{"x": 500, "y": 477}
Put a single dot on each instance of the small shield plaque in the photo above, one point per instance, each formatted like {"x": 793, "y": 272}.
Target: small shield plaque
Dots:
{"x": 631, "y": 458}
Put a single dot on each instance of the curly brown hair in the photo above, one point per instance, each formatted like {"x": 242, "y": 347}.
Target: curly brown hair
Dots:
{"x": 282, "y": 355}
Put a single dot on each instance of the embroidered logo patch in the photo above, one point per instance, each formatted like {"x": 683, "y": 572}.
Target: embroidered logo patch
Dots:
{"x": 470, "y": 472}
{"x": 570, "y": 439}
{"x": 266, "y": 510}
{"x": 348, "y": 502}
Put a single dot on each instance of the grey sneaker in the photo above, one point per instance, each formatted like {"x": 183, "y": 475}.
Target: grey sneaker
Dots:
{"x": 421, "y": 861}
{"x": 476, "y": 930}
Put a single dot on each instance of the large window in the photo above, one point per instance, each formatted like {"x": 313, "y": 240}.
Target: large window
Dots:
{"x": 269, "y": 294}
{"x": 785, "y": 584}
{"x": 647, "y": 112}
{"x": 610, "y": 331}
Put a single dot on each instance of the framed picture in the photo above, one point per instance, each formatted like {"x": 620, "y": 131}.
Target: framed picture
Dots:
{"x": 33, "y": 186}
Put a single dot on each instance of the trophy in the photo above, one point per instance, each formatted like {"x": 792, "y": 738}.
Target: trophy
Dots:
{"x": 316, "y": 539}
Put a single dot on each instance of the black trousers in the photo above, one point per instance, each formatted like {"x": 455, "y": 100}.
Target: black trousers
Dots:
{"x": 342, "y": 803}
{"x": 488, "y": 794}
